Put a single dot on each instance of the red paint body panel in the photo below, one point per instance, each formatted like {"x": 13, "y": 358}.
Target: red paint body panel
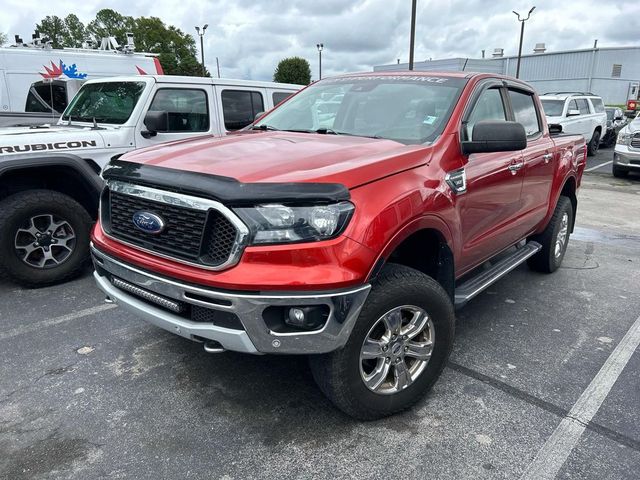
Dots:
{"x": 397, "y": 190}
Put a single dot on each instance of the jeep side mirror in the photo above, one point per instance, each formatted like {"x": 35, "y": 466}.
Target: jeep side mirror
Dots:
{"x": 155, "y": 122}
{"x": 495, "y": 136}
{"x": 573, "y": 112}
{"x": 257, "y": 116}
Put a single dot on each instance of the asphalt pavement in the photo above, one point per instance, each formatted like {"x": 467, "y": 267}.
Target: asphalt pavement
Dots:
{"x": 543, "y": 381}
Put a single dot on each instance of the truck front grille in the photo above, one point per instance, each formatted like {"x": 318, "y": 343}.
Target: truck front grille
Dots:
{"x": 635, "y": 141}
{"x": 201, "y": 236}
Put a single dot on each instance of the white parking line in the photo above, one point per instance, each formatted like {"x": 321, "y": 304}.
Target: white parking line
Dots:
{"x": 554, "y": 453}
{"x": 591, "y": 169}
{"x": 55, "y": 321}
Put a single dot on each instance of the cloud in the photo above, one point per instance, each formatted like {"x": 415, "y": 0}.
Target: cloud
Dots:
{"x": 250, "y": 37}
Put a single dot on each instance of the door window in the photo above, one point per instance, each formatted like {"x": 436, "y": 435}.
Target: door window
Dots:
{"x": 45, "y": 96}
{"x": 239, "y": 108}
{"x": 573, "y": 106}
{"x": 279, "y": 97}
{"x": 524, "y": 110}
{"x": 488, "y": 107}
{"x": 583, "y": 106}
{"x": 187, "y": 109}
{"x": 598, "y": 106}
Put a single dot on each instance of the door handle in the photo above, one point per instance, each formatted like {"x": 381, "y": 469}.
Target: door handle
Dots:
{"x": 514, "y": 167}
{"x": 547, "y": 157}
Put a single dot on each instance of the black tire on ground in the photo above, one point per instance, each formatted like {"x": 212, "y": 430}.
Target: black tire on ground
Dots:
{"x": 592, "y": 146}
{"x": 548, "y": 260}
{"x": 15, "y": 214}
{"x": 338, "y": 373}
{"x": 619, "y": 172}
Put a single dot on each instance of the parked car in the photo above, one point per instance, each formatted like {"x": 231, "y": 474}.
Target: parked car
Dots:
{"x": 49, "y": 175}
{"x": 350, "y": 242}
{"x": 626, "y": 155}
{"x": 577, "y": 113}
{"x": 616, "y": 120}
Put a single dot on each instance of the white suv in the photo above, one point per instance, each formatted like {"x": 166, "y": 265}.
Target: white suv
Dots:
{"x": 578, "y": 113}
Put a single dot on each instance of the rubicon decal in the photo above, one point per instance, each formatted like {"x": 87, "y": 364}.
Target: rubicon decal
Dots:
{"x": 41, "y": 147}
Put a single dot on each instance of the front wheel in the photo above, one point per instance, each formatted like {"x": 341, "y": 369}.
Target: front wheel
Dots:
{"x": 44, "y": 237}
{"x": 592, "y": 147}
{"x": 397, "y": 349}
{"x": 554, "y": 239}
{"x": 619, "y": 172}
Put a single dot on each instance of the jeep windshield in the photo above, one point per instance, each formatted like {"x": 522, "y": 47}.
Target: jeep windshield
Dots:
{"x": 108, "y": 102}
{"x": 406, "y": 109}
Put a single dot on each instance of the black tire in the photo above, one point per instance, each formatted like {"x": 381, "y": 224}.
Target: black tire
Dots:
{"x": 546, "y": 260}
{"x": 619, "y": 172}
{"x": 592, "y": 146}
{"x": 15, "y": 214}
{"x": 338, "y": 373}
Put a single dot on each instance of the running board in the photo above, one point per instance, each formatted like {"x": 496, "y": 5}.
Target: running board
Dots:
{"x": 477, "y": 284}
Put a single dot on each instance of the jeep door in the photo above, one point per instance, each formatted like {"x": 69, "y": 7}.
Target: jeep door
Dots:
{"x": 491, "y": 204}
{"x": 239, "y": 106}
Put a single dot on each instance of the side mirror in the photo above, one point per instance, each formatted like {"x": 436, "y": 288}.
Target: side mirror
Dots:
{"x": 555, "y": 129}
{"x": 257, "y": 116}
{"x": 573, "y": 112}
{"x": 155, "y": 122}
{"x": 495, "y": 136}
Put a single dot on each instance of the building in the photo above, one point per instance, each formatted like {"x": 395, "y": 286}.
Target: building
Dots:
{"x": 613, "y": 73}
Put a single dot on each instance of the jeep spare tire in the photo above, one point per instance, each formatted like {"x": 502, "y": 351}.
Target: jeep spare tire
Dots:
{"x": 44, "y": 237}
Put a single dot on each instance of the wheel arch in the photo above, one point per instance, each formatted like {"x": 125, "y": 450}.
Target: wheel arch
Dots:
{"x": 569, "y": 190}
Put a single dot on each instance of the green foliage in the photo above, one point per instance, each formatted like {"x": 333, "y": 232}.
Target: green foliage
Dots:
{"x": 293, "y": 70}
{"x": 176, "y": 50}
{"x": 3, "y": 39}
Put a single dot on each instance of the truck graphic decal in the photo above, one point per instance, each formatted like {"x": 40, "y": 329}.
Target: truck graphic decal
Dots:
{"x": 40, "y": 147}
{"x": 57, "y": 71}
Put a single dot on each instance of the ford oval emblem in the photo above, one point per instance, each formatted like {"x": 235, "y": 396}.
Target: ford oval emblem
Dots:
{"x": 148, "y": 222}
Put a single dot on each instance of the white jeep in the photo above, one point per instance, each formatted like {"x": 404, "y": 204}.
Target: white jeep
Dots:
{"x": 578, "y": 113}
{"x": 50, "y": 174}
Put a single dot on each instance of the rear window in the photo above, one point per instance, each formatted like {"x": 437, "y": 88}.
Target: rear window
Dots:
{"x": 598, "y": 106}
{"x": 524, "y": 110}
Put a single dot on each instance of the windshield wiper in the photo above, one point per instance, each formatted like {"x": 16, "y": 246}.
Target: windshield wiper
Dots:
{"x": 265, "y": 127}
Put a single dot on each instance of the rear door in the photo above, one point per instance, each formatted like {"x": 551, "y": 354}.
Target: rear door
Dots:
{"x": 239, "y": 106}
{"x": 539, "y": 160}
{"x": 491, "y": 203}
{"x": 188, "y": 109}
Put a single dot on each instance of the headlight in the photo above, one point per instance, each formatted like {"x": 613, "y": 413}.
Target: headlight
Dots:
{"x": 623, "y": 138}
{"x": 283, "y": 224}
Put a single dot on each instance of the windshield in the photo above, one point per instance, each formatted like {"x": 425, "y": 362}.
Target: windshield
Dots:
{"x": 407, "y": 109}
{"x": 108, "y": 102}
{"x": 610, "y": 112}
{"x": 553, "y": 108}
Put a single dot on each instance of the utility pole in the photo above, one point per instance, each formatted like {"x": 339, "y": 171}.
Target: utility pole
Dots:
{"x": 521, "y": 20}
{"x": 412, "y": 40}
{"x": 320, "y": 46}
{"x": 202, "y": 46}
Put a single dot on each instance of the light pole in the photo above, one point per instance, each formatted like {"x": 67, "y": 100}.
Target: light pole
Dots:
{"x": 320, "y": 47}
{"x": 521, "y": 20}
{"x": 412, "y": 40}
{"x": 202, "y": 45}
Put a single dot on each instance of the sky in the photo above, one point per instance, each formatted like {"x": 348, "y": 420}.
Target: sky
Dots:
{"x": 250, "y": 37}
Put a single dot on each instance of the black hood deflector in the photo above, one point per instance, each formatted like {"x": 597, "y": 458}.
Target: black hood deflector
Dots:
{"x": 227, "y": 190}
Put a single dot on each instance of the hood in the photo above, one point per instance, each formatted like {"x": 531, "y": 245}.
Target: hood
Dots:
{"x": 59, "y": 138}
{"x": 634, "y": 125}
{"x": 287, "y": 157}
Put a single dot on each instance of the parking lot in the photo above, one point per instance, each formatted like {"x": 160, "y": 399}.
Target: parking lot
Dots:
{"x": 87, "y": 391}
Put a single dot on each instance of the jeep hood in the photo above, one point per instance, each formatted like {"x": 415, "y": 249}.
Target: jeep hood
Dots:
{"x": 287, "y": 157}
{"x": 49, "y": 138}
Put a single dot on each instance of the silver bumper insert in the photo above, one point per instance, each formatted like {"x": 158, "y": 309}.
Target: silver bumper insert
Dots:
{"x": 344, "y": 308}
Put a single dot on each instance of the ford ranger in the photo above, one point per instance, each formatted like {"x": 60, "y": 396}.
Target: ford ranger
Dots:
{"x": 351, "y": 240}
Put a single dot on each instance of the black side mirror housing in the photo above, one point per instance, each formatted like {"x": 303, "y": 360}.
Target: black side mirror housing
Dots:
{"x": 155, "y": 122}
{"x": 555, "y": 129}
{"x": 495, "y": 136}
{"x": 257, "y": 116}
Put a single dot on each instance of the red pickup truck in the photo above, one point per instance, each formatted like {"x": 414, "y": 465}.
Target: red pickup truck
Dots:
{"x": 346, "y": 224}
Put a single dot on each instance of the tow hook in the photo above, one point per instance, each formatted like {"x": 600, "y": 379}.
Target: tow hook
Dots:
{"x": 213, "y": 347}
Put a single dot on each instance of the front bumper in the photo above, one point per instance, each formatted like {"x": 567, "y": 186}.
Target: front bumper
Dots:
{"x": 624, "y": 156}
{"x": 255, "y": 336}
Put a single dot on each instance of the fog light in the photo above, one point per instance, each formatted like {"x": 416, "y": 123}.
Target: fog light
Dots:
{"x": 307, "y": 318}
{"x": 296, "y": 317}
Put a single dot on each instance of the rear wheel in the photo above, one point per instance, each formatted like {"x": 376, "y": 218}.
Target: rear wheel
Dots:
{"x": 397, "y": 349}
{"x": 592, "y": 147}
{"x": 619, "y": 172}
{"x": 44, "y": 237}
{"x": 554, "y": 239}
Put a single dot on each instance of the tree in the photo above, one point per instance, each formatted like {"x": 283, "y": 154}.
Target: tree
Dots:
{"x": 54, "y": 29}
{"x": 293, "y": 70}
{"x": 3, "y": 39}
{"x": 109, "y": 23}
{"x": 75, "y": 31}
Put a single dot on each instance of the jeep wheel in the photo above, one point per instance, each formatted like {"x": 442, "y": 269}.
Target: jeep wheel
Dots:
{"x": 554, "y": 239}
{"x": 592, "y": 147}
{"x": 619, "y": 172}
{"x": 397, "y": 349}
{"x": 44, "y": 237}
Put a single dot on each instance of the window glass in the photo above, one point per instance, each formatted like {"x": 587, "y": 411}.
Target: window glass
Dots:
{"x": 573, "y": 106}
{"x": 187, "y": 109}
{"x": 239, "y": 108}
{"x": 598, "y": 106}
{"x": 43, "y": 95}
{"x": 279, "y": 97}
{"x": 552, "y": 108}
{"x": 583, "y": 106}
{"x": 108, "y": 102}
{"x": 488, "y": 107}
{"x": 524, "y": 111}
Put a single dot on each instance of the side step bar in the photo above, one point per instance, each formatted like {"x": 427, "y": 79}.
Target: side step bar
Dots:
{"x": 477, "y": 284}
